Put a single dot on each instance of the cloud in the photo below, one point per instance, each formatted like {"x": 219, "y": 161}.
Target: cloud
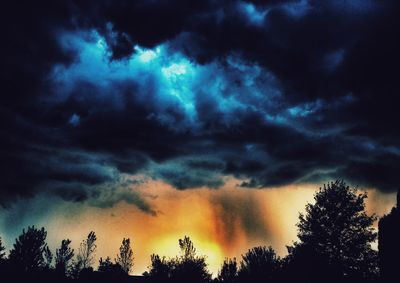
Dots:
{"x": 190, "y": 172}
{"x": 271, "y": 92}
{"x": 173, "y": 89}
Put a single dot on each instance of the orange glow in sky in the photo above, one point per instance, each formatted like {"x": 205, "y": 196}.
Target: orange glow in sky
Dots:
{"x": 222, "y": 223}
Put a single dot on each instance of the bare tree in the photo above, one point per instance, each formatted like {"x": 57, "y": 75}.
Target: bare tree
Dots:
{"x": 87, "y": 250}
{"x": 125, "y": 256}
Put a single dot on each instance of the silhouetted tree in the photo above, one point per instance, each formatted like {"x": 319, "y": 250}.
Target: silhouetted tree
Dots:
{"x": 110, "y": 271}
{"x": 2, "y": 258}
{"x": 125, "y": 256}
{"x": 336, "y": 235}
{"x": 188, "y": 251}
{"x": 305, "y": 265}
{"x": 2, "y": 249}
{"x": 229, "y": 271}
{"x": 48, "y": 256}
{"x": 64, "y": 256}
{"x": 28, "y": 253}
{"x": 85, "y": 257}
{"x": 87, "y": 250}
{"x": 160, "y": 269}
{"x": 389, "y": 244}
{"x": 108, "y": 266}
{"x": 105, "y": 265}
{"x": 188, "y": 267}
{"x": 259, "y": 264}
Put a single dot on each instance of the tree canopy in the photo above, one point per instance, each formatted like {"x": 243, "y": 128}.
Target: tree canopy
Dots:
{"x": 259, "y": 264}
{"x": 337, "y": 230}
{"x": 28, "y": 252}
{"x": 229, "y": 271}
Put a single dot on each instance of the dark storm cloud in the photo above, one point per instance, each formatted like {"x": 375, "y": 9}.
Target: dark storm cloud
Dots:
{"x": 192, "y": 172}
{"x": 271, "y": 92}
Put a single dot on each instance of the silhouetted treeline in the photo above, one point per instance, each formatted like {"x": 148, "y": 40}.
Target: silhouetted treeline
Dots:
{"x": 334, "y": 245}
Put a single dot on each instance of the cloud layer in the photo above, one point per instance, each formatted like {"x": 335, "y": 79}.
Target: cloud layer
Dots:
{"x": 270, "y": 92}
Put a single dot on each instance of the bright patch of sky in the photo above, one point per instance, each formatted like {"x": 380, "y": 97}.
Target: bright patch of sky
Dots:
{"x": 162, "y": 80}
{"x": 254, "y": 14}
{"x": 147, "y": 55}
{"x": 305, "y": 109}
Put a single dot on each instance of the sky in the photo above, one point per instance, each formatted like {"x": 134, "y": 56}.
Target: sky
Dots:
{"x": 215, "y": 119}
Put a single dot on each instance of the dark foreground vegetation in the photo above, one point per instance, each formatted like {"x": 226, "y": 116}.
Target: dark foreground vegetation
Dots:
{"x": 334, "y": 245}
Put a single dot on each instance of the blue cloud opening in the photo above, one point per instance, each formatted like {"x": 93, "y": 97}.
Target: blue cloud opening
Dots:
{"x": 165, "y": 79}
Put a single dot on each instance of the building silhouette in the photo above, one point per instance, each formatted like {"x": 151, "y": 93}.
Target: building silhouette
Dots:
{"x": 389, "y": 244}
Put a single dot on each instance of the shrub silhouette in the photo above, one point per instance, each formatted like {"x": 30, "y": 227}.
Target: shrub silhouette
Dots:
{"x": 107, "y": 266}
{"x": 335, "y": 235}
{"x": 28, "y": 253}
